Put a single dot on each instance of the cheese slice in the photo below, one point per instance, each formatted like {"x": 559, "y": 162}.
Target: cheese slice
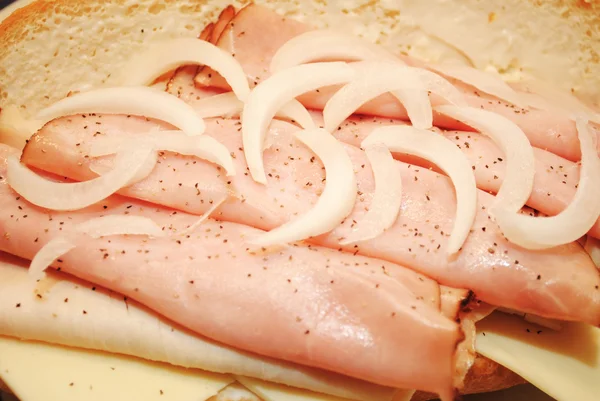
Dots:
{"x": 42, "y": 372}
{"x": 564, "y": 364}
{"x": 277, "y": 392}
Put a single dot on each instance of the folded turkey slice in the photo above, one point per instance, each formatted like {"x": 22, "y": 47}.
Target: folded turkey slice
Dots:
{"x": 418, "y": 239}
{"x": 206, "y": 279}
{"x": 118, "y": 325}
{"x": 255, "y": 48}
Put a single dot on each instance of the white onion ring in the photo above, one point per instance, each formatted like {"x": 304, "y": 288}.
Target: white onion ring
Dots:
{"x": 204, "y": 217}
{"x": 270, "y": 95}
{"x": 53, "y": 250}
{"x": 374, "y": 79}
{"x": 228, "y": 105}
{"x": 335, "y": 203}
{"x": 512, "y": 141}
{"x": 73, "y": 196}
{"x": 119, "y": 225}
{"x": 95, "y": 228}
{"x": 592, "y": 247}
{"x": 203, "y": 147}
{"x": 326, "y": 45}
{"x": 138, "y": 100}
{"x": 575, "y": 220}
{"x": 482, "y": 80}
{"x": 387, "y": 199}
{"x": 445, "y": 155}
{"x": 160, "y": 58}
{"x": 15, "y": 129}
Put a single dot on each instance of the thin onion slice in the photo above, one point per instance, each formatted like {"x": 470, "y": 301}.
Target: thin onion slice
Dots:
{"x": 53, "y": 250}
{"x": 95, "y": 228}
{"x": 203, "y": 147}
{"x": 543, "y": 96}
{"x": 73, "y": 196}
{"x": 575, "y": 220}
{"x": 592, "y": 247}
{"x": 206, "y": 215}
{"x": 326, "y": 45}
{"x": 520, "y": 161}
{"x": 408, "y": 84}
{"x": 120, "y": 225}
{"x": 160, "y": 58}
{"x": 372, "y": 80}
{"x": 228, "y": 105}
{"x": 445, "y": 155}
{"x": 335, "y": 203}
{"x": 270, "y": 95}
{"x": 387, "y": 199}
{"x": 135, "y": 100}
{"x": 482, "y": 80}
{"x": 15, "y": 129}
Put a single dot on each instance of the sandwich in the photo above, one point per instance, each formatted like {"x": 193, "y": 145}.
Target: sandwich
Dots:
{"x": 297, "y": 201}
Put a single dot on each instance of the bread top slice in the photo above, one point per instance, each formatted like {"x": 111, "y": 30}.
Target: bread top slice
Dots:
{"x": 52, "y": 47}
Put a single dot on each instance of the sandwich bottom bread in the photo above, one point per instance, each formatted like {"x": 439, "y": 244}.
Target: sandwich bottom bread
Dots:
{"x": 186, "y": 166}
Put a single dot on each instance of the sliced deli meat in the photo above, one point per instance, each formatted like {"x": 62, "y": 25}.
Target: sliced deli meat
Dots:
{"x": 255, "y": 49}
{"x": 306, "y": 294}
{"x": 487, "y": 264}
{"x": 555, "y": 179}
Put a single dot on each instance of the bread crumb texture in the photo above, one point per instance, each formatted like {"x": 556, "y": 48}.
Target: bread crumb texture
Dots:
{"x": 50, "y": 48}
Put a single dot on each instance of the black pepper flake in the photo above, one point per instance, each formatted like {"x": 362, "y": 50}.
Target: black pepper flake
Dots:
{"x": 307, "y": 332}
{"x": 19, "y": 304}
{"x": 85, "y": 312}
{"x": 66, "y": 300}
{"x": 539, "y": 277}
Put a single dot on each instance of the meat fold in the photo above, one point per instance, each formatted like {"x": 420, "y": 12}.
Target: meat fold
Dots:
{"x": 257, "y": 32}
{"x": 350, "y": 314}
{"x": 560, "y": 283}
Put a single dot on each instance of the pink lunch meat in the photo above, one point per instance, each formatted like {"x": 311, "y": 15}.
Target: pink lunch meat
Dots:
{"x": 305, "y": 304}
{"x": 556, "y": 178}
{"x": 245, "y": 37}
{"x": 561, "y": 282}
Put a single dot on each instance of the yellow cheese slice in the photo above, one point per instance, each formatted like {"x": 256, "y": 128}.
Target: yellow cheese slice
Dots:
{"x": 277, "y": 392}
{"x": 42, "y": 372}
{"x": 564, "y": 364}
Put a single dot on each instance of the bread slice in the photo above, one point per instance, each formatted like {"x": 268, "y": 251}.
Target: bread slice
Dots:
{"x": 52, "y": 47}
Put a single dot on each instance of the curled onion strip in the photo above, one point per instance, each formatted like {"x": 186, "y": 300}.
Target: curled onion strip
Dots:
{"x": 138, "y": 100}
{"x": 575, "y": 220}
{"x": 203, "y": 147}
{"x": 372, "y": 80}
{"x": 53, "y": 250}
{"x": 227, "y": 105}
{"x": 408, "y": 84}
{"x": 269, "y": 96}
{"x": 326, "y": 45}
{"x": 387, "y": 199}
{"x": 119, "y": 225}
{"x": 335, "y": 203}
{"x": 204, "y": 217}
{"x": 95, "y": 228}
{"x": 482, "y": 80}
{"x": 520, "y": 168}
{"x": 592, "y": 247}
{"x": 144, "y": 68}
{"x": 445, "y": 155}
{"x": 73, "y": 196}
{"x": 15, "y": 129}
